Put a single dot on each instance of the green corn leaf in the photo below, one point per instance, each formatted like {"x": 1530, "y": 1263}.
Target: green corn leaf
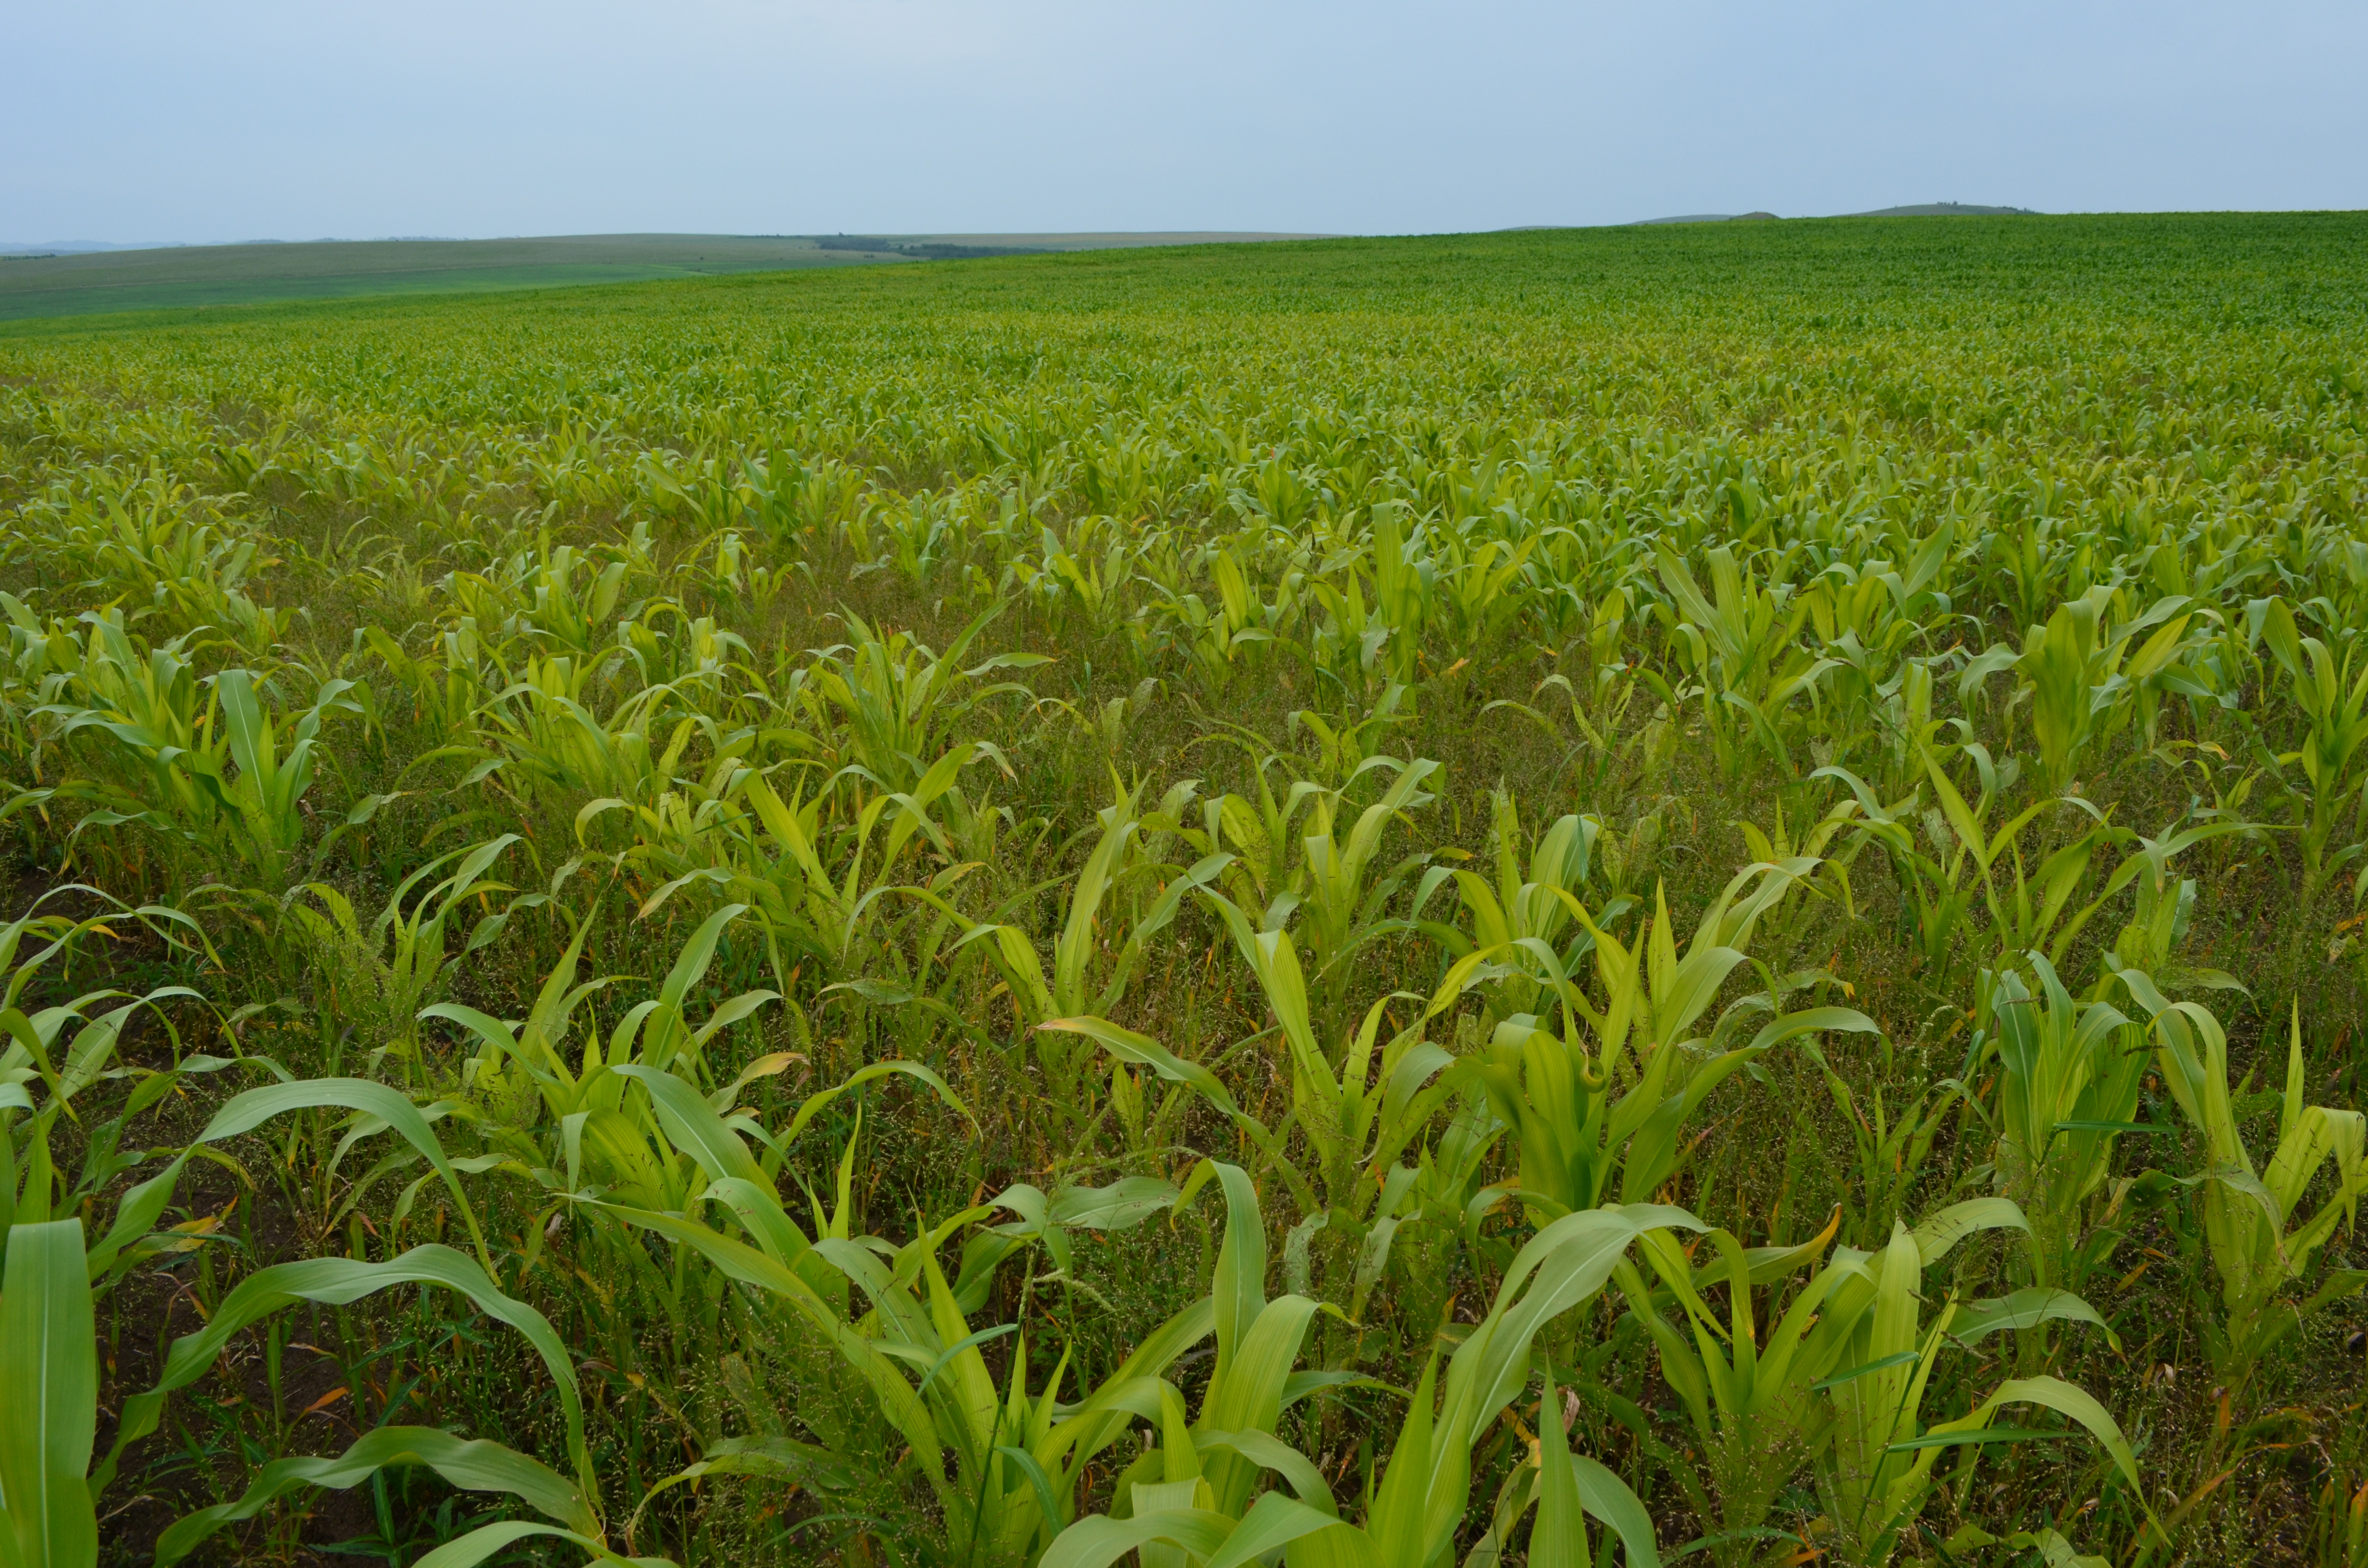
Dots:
{"x": 2068, "y": 1399}
{"x": 474, "y": 1466}
{"x": 1939, "y": 1439}
{"x": 141, "y": 1207}
{"x": 2026, "y": 1308}
{"x": 1274, "y": 1523}
{"x": 1269, "y": 1452}
{"x": 253, "y": 1108}
{"x": 1100, "y": 1541}
{"x": 1897, "y": 1359}
{"x": 814, "y": 1104}
{"x": 1937, "y": 1235}
{"x": 336, "y": 1282}
{"x": 487, "y": 1540}
{"x": 772, "y": 1459}
{"x": 1145, "y": 1051}
{"x": 1559, "y": 1538}
{"x": 49, "y": 1412}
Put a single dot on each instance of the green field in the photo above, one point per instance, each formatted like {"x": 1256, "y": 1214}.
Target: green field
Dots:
{"x": 1569, "y": 896}
{"x": 195, "y": 278}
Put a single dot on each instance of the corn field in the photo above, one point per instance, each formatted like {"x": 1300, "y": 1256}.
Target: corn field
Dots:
{"x": 1555, "y": 898}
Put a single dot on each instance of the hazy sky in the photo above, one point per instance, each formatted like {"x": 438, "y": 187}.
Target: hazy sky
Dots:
{"x": 241, "y": 119}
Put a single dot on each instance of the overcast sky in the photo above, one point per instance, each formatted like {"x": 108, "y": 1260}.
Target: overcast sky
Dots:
{"x": 239, "y": 119}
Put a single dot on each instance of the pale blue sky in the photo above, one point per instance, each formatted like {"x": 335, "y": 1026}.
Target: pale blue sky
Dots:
{"x": 244, "y": 118}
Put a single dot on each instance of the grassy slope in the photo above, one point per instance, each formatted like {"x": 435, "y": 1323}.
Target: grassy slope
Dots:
{"x": 1836, "y": 277}
{"x": 203, "y": 276}
{"x": 200, "y": 275}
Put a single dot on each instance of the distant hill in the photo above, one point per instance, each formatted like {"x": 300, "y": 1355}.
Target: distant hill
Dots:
{"x": 1925, "y": 210}
{"x": 78, "y": 247}
{"x": 61, "y": 284}
{"x": 1946, "y": 209}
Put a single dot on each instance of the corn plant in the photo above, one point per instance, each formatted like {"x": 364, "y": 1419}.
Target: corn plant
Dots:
{"x": 1893, "y": 1145}
{"x": 1207, "y": 1510}
{"x": 816, "y": 888}
{"x": 35, "y": 672}
{"x": 231, "y": 778}
{"x": 1538, "y": 902}
{"x": 2069, "y": 1086}
{"x": 1338, "y": 890}
{"x": 148, "y": 706}
{"x": 267, "y": 792}
{"x": 48, "y": 1354}
{"x": 2255, "y": 1223}
{"x": 2080, "y": 675}
{"x": 1357, "y": 1109}
{"x": 383, "y": 979}
{"x": 1258, "y": 833}
{"x": 1937, "y": 896}
{"x": 1004, "y": 1449}
{"x": 1599, "y": 711}
{"x": 1750, "y": 1399}
{"x": 1835, "y": 1379}
{"x": 57, "y": 1054}
{"x": 1738, "y": 645}
{"x": 47, "y": 1487}
{"x": 52, "y": 1270}
{"x": 2028, "y": 904}
{"x": 478, "y": 1465}
{"x": 1867, "y": 615}
{"x": 2032, "y": 910}
{"x": 546, "y": 736}
{"x": 447, "y": 683}
{"x": 1790, "y": 922}
{"x": 2333, "y": 704}
{"x": 472, "y": 1464}
{"x": 1878, "y": 1465}
{"x": 1078, "y": 984}
{"x": 1562, "y": 1091}
{"x": 657, "y": 1034}
{"x": 887, "y": 700}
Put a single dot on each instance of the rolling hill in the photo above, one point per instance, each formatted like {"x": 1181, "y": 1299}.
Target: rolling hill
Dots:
{"x": 207, "y": 275}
